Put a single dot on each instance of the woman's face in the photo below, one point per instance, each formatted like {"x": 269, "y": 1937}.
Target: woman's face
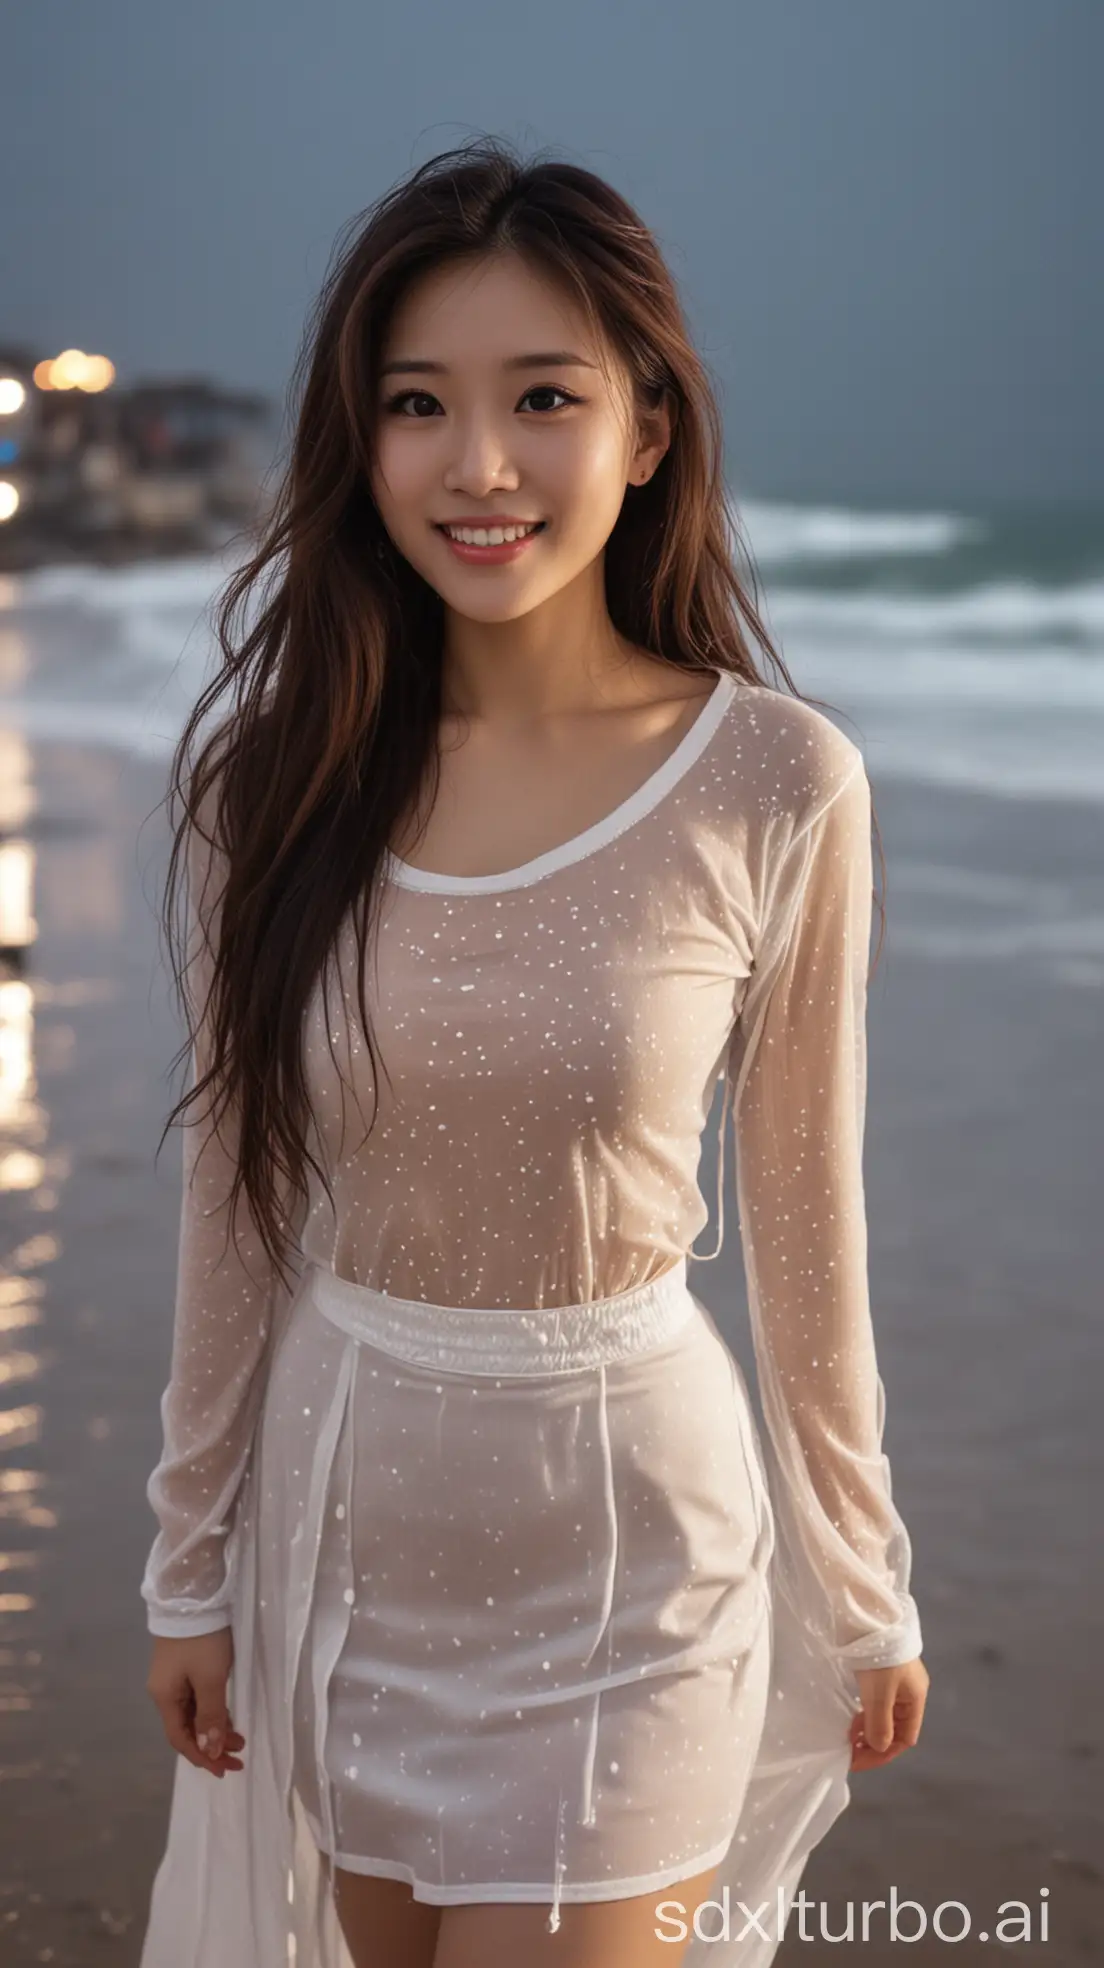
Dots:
{"x": 492, "y": 406}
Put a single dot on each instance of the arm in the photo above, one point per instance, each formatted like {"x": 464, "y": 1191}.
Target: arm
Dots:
{"x": 798, "y": 1071}
{"x": 227, "y": 1291}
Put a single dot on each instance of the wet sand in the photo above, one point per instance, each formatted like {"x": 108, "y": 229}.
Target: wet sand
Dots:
{"x": 984, "y": 1145}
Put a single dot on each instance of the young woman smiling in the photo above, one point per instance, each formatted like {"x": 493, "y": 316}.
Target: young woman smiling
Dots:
{"x": 516, "y": 1636}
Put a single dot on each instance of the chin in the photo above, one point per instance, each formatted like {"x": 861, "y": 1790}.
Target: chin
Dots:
{"x": 489, "y": 598}
{"x": 507, "y": 608}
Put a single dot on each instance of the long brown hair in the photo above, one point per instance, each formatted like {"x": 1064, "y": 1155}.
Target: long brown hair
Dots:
{"x": 331, "y": 641}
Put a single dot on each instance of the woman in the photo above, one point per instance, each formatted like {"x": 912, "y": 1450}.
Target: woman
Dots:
{"x": 473, "y": 1570}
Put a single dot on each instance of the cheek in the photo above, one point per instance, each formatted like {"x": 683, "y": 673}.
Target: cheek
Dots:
{"x": 399, "y": 478}
{"x": 590, "y": 480}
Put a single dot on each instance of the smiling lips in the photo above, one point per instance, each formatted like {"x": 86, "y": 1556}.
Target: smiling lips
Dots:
{"x": 492, "y": 541}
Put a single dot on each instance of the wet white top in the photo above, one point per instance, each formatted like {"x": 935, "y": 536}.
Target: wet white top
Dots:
{"x": 551, "y": 1037}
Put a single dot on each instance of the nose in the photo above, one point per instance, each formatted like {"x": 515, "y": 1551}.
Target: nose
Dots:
{"x": 481, "y": 461}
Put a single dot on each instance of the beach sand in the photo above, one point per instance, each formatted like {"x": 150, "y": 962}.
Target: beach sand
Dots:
{"x": 983, "y": 1150}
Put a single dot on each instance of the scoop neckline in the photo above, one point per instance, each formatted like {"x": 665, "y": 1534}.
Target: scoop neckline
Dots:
{"x": 648, "y": 795}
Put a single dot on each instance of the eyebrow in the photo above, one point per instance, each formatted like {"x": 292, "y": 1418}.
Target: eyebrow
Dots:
{"x": 549, "y": 359}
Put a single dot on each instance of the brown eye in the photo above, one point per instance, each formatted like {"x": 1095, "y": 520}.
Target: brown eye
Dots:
{"x": 395, "y": 404}
{"x": 552, "y": 389}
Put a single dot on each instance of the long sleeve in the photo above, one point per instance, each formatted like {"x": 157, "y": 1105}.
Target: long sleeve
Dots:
{"x": 797, "y": 1069}
{"x": 227, "y": 1292}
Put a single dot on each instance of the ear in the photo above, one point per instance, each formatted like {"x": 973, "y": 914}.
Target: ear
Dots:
{"x": 654, "y": 428}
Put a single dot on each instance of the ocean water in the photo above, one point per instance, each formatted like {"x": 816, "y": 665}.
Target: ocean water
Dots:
{"x": 958, "y": 649}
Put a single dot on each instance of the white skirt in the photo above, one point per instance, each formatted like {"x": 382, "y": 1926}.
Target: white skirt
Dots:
{"x": 505, "y": 1628}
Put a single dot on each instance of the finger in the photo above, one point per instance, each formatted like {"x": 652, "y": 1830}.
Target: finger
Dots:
{"x": 180, "y": 1739}
{"x": 865, "y": 1758}
{"x": 878, "y": 1732}
{"x": 213, "y": 1723}
{"x": 867, "y": 1755}
{"x": 878, "y": 1724}
{"x": 868, "y": 1759}
{"x": 227, "y": 1758}
{"x": 178, "y": 1720}
{"x": 909, "y": 1726}
{"x": 908, "y": 1716}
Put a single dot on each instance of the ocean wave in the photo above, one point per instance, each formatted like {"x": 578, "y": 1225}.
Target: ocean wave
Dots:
{"x": 779, "y": 533}
{"x": 1002, "y": 612}
{"x": 187, "y": 583}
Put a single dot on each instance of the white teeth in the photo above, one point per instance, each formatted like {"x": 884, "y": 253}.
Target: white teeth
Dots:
{"x": 489, "y": 536}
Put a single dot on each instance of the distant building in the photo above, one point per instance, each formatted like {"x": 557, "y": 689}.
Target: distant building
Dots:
{"x": 159, "y": 465}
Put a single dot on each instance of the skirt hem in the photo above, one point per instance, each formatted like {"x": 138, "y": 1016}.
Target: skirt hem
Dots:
{"x": 578, "y": 1891}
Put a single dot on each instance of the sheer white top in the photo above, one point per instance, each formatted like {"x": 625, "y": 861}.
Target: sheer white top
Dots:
{"x": 552, "y": 1036}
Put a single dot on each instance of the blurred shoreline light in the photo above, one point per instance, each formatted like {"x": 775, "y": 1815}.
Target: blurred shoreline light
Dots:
{"x": 9, "y": 498}
{"x": 12, "y": 395}
{"x": 73, "y": 369}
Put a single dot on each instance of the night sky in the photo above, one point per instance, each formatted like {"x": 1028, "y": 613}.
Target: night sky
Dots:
{"x": 884, "y": 215}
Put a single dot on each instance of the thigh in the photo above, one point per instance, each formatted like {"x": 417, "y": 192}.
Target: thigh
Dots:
{"x": 383, "y": 1924}
{"x": 598, "y": 1934}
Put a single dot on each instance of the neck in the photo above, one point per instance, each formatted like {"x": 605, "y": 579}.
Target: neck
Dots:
{"x": 562, "y": 657}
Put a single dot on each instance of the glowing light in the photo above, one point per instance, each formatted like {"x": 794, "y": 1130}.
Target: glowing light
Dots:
{"x": 99, "y": 373}
{"x": 17, "y": 1036}
{"x": 18, "y": 1366}
{"x": 73, "y": 369}
{"x": 67, "y": 369}
{"x": 12, "y": 394}
{"x": 9, "y": 499}
{"x": 19, "y": 1427}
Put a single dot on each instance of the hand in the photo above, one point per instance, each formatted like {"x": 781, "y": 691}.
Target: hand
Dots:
{"x": 893, "y": 1701}
{"x": 187, "y": 1681}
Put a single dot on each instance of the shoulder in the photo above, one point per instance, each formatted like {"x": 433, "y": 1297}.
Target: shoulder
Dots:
{"x": 792, "y": 758}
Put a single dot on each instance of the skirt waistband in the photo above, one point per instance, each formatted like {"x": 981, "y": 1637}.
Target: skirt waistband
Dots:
{"x": 477, "y": 1340}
